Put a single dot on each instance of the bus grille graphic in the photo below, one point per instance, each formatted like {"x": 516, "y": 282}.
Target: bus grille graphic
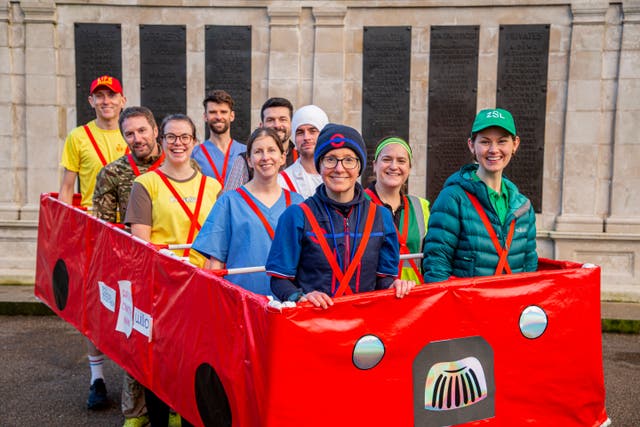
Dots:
{"x": 453, "y": 385}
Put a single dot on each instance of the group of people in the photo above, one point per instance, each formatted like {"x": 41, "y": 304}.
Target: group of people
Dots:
{"x": 295, "y": 207}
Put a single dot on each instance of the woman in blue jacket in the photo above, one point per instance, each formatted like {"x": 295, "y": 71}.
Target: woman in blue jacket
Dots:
{"x": 480, "y": 224}
{"x": 336, "y": 242}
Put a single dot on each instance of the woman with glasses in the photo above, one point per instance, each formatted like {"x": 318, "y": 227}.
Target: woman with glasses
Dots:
{"x": 168, "y": 206}
{"x": 239, "y": 230}
{"x": 480, "y": 224}
{"x": 392, "y": 165}
{"x": 336, "y": 242}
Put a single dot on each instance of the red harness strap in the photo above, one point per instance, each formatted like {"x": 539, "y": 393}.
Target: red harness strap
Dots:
{"x": 402, "y": 236}
{"x": 193, "y": 216}
{"x": 258, "y": 212}
{"x": 153, "y": 167}
{"x": 503, "y": 264}
{"x": 287, "y": 179}
{"x": 219, "y": 177}
{"x": 95, "y": 145}
{"x": 345, "y": 278}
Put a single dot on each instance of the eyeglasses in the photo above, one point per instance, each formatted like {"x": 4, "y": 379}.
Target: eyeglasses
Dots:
{"x": 347, "y": 162}
{"x": 185, "y": 138}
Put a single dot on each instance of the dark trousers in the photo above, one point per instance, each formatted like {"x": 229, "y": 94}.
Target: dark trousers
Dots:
{"x": 158, "y": 411}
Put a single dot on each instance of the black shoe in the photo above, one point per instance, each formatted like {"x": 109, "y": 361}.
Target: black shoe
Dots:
{"x": 97, "y": 395}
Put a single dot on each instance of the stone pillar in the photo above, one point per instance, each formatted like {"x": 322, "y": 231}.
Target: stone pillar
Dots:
{"x": 12, "y": 165}
{"x": 329, "y": 61}
{"x": 588, "y": 129}
{"x": 625, "y": 186}
{"x": 284, "y": 52}
{"x": 41, "y": 102}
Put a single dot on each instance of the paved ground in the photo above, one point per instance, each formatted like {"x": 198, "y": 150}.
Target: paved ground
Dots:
{"x": 45, "y": 377}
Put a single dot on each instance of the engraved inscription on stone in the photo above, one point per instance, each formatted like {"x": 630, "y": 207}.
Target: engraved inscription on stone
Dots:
{"x": 228, "y": 67}
{"x": 163, "y": 68}
{"x": 386, "y": 86}
{"x": 522, "y": 89}
{"x": 453, "y": 77}
{"x": 98, "y": 52}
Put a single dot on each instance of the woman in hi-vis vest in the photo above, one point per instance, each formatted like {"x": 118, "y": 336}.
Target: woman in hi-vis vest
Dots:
{"x": 392, "y": 166}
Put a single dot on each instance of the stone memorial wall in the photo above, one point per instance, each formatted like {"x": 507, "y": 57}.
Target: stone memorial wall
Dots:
{"x": 420, "y": 69}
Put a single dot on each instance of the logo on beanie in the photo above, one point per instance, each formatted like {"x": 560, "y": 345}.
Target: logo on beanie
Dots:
{"x": 337, "y": 140}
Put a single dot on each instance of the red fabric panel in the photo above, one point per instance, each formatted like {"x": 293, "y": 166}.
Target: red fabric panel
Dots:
{"x": 295, "y": 367}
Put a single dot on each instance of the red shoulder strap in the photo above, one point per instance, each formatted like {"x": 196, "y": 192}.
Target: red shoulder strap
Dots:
{"x": 219, "y": 177}
{"x": 257, "y": 211}
{"x": 503, "y": 265}
{"x": 345, "y": 278}
{"x": 153, "y": 167}
{"x": 287, "y": 197}
{"x": 374, "y": 198}
{"x": 133, "y": 165}
{"x": 193, "y": 216}
{"x": 402, "y": 239}
{"x": 95, "y": 145}
{"x": 287, "y": 179}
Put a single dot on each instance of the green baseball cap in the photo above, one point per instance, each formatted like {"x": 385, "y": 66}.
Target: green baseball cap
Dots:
{"x": 494, "y": 117}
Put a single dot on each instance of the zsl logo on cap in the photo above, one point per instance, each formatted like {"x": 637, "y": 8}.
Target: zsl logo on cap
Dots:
{"x": 495, "y": 114}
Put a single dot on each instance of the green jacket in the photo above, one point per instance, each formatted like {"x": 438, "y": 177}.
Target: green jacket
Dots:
{"x": 457, "y": 242}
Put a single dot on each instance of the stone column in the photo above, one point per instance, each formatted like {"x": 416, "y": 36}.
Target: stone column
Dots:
{"x": 41, "y": 102}
{"x": 284, "y": 51}
{"x": 329, "y": 61}
{"x": 12, "y": 164}
{"x": 625, "y": 186}
{"x": 588, "y": 128}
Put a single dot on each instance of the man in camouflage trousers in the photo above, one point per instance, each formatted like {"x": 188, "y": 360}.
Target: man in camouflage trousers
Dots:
{"x": 110, "y": 198}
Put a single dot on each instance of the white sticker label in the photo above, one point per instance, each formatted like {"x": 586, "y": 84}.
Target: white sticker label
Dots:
{"x": 125, "y": 314}
{"x": 107, "y": 296}
{"x": 142, "y": 322}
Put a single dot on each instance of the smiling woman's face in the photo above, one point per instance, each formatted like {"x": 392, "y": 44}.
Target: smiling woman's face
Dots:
{"x": 339, "y": 181}
{"x": 392, "y": 166}
{"x": 178, "y": 150}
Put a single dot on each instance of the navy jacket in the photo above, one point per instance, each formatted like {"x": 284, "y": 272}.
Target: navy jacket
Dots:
{"x": 296, "y": 262}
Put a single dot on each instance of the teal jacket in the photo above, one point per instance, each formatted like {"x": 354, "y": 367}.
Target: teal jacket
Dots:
{"x": 457, "y": 242}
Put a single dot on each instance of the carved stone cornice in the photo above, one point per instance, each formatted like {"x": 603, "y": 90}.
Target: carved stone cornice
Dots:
{"x": 284, "y": 16}
{"x": 39, "y": 11}
{"x": 589, "y": 12}
{"x": 329, "y": 16}
{"x": 631, "y": 11}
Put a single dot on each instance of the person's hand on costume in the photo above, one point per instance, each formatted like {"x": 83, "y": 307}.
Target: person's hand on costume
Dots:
{"x": 402, "y": 287}
{"x": 318, "y": 299}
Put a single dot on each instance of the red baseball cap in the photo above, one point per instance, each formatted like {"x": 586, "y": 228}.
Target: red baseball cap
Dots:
{"x": 108, "y": 82}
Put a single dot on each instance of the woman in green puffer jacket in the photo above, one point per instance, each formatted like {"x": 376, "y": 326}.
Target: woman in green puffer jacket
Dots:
{"x": 480, "y": 224}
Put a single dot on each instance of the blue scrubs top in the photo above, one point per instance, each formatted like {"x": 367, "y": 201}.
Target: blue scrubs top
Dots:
{"x": 217, "y": 156}
{"x": 234, "y": 234}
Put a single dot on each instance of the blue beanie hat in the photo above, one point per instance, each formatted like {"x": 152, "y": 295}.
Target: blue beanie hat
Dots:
{"x": 333, "y": 137}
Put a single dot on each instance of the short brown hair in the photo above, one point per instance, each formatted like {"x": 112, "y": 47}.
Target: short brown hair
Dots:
{"x": 137, "y": 112}
{"x": 218, "y": 96}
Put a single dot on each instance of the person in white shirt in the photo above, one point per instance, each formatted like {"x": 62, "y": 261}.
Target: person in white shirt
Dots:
{"x": 302, "y": 176}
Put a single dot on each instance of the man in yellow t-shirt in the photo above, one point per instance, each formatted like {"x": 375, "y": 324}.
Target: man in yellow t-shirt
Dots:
{"x": 86, "y": 150}
{"x": 90, "y": 147}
